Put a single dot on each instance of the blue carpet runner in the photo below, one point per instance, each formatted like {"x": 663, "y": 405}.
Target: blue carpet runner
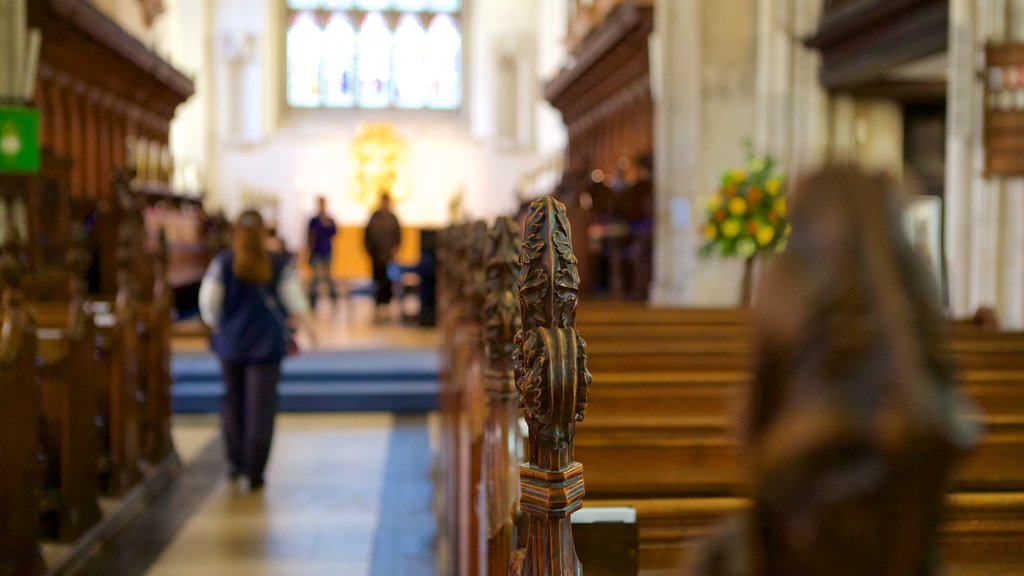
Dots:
{"x": 405, "y": 532}
{"x": 401, "y": 381}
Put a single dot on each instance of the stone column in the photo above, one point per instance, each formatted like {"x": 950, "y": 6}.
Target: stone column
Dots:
{"x": 675, "y": 70}
{"x": 792, "y": 107}
{"x": 704, "y": 68}
{"x": 984, "y": 234}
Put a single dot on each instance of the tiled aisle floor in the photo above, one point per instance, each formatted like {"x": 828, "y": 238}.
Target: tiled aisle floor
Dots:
{"x": 317, "y": 515}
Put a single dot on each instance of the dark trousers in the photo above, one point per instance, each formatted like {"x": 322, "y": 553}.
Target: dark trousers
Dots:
{"x": 247, "y": 414}
{"x": 382, "y": 283}
{"x": 320, "y": 266}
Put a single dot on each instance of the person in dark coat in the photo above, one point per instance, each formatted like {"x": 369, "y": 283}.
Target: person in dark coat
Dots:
{"x": 319, "y": 245}
{"x": 246, "y": 298}
{"x": 382, "y": 238}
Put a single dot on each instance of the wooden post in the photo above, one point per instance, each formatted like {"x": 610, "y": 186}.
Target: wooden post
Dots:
{"x": 473, "y": 408}
{"x": 553, "y": 383}
{"x": 457, "y": 320}
{"x": 747, "y": 290}
{"x": 157, "y": 361}
{"x": 19, "y": 406}
{"x": 79, "y": 484}
{"x": 502, "y": 321}
{"x": 125, "y": 409}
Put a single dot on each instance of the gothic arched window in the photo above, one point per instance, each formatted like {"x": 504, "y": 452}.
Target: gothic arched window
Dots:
{"x": 374, "y": 54}
{"x": 444, "y": 59}
{"x": 304, "y": 45}
{"x": 410, "y": 62}
{"x": 339, "y": 62}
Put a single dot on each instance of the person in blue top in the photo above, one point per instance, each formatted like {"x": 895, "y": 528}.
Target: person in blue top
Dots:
{"x": 247, "y": 297}
{"x": 319, "y": 245}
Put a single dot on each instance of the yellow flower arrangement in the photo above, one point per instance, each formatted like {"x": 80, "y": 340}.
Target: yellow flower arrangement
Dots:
{"x": 747, "y": 214}
{"x": 737, "y": 206}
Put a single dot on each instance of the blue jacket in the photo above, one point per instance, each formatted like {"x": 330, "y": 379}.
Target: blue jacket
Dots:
{"x": 251, "y": 330}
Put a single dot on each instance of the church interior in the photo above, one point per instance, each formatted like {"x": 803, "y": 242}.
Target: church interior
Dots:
{"x": 516, "y": 287}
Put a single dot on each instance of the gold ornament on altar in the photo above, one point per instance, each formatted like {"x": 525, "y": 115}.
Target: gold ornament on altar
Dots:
{"x": 379, "y": 155}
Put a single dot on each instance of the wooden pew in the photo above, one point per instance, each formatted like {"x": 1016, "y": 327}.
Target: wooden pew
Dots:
{"x": 984, "y": 533}
{"x": 693, "y": 395}
{"x": 462, "y": 401}
{"x": 66, "y": 372}
{"x": 688, "y": 397}
{"x": 19, "y": 411}
{"x": 501, "y": 322}
{"x": 693, "y": 410}
{"x": 133, "y": 326}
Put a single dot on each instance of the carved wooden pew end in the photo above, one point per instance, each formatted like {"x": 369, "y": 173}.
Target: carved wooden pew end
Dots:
{"x": 553, "y": 382}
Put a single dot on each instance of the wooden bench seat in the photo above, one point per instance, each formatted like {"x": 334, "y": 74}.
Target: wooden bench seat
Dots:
{"x": 68, "y": 395}
{"x": 703, "y": 392}
{"x": 20, "y": 474}
{"x": 983, "y": 531}
{"x": 702, "y": 456}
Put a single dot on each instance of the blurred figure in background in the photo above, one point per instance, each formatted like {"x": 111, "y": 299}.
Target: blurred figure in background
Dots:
{"x": 382, "y": 238}
{"x": 855, "y": 420}
{"x": 246, "y": 298}
{"x": 319, "y": 245}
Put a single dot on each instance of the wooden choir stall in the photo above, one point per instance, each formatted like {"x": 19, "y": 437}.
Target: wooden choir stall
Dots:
{"x": 606, "y": 105}
{"x": 87, "y": 303}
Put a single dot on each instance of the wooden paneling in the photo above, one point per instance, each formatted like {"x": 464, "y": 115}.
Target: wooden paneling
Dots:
{"x": 605, "y": 98}
{"x": 95, "y": 80}
{"x": 860, "y": 40}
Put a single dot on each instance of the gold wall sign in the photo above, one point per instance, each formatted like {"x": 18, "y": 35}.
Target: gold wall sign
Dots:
{"x": 1004, "y": 109}
{"x": 379, "y": 155}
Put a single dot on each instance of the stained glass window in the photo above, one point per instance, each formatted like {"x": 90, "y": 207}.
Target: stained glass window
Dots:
{"x": 304, "y": 49}
{"x": 339, "y": 58}
{"x": 445, "y": 5}
{"x": 374, "y": 54}
{"x": 411, "y": 5}
{"x": 375, "y": 40}
{"x": 444, "y": 57}
{"x": 410, "y": 63}
{"x": 373, "y": 4}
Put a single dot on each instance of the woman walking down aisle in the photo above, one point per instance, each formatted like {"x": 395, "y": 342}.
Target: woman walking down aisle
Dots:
{"x": 246, "y": 298}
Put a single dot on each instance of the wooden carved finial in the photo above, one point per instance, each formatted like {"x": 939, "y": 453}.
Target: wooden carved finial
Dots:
{"x": 12, "y": 267}
{"x": 17, "y": 324}
{"x": 127, "y": 250}
{"x": 475, "y": 289}
{"x": 854, "y": 421}
{"x": 553, "y": 381}
{"x": 458, "y": 262}
{"x": 78, "y": 261}
{"x": 501, "y": 315}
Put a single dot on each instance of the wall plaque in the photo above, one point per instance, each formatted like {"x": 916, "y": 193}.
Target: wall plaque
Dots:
{"x": 19, "y": 140}
{"x": 1004, "y": 110}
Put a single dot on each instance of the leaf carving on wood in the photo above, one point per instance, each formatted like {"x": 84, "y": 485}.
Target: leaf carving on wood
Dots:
{"x": 475, "y": 288}
{"x": 549, "y": 280}
{"x": 18, "y": 326}
{"x": 501, "y": 314}
{"x": 458, "y": 269}
{"x": 550, "y": 359}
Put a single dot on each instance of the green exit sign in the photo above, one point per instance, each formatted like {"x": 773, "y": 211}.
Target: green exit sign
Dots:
{"x": 19, "y": 140}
